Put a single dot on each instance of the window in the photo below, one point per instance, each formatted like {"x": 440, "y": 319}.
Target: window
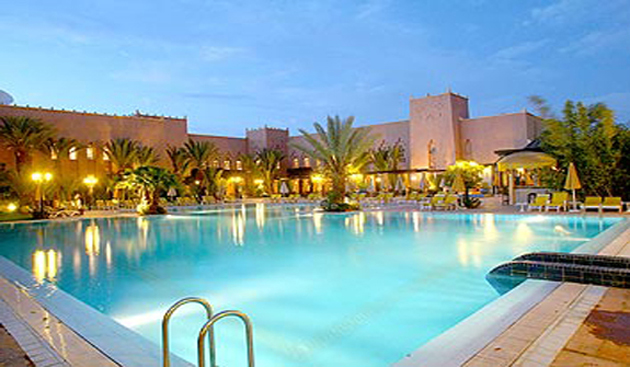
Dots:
{"x": 239, "y": 165}
{"x": 226, "y": 164}
{"x": 105, "y": 155}
{"x": 215, "y": 164}
{"x": 278, "y": 165}
{"x": 53, "y": 155}
{"x": 296, "y": 163}
{"x": 307, "y": 162}
{"x": 72, "y": 153}
{"x": 89, "y": 152}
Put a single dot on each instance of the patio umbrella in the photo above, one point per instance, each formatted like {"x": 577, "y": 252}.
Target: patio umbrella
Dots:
{"x": 284, "y": 189}
{"x": 573, "y": 182}
{"x": 371, "y": 189}
{"x": 423, "y": 181}
{"x": 171, "y": 192}
{"x": 400, "y": 185}
{"x": 458, "y": 183}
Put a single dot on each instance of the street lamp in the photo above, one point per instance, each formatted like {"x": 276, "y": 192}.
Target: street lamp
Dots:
{"x": 39, "y": 179}
{"x": 90, "y": 181}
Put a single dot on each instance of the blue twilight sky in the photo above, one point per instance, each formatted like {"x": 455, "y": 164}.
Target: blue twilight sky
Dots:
{"x": 231, "y": 64}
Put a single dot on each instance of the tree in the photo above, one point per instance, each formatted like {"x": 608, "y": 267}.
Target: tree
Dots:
{"x": 179, "y": 161}
{"x": 146, "y": 156}
{"x": 60, "y": 148}
{"x": 250, "y": 168}
{"x": 23, "y": 135}
{"x": 149, "y": 182}
{"x": 342, "y": 149}
{"x": 123, "y": 153}
{"x": 471, "y": 173}
{"x": 200, "y": 153}
{"x": 268, "y": 162}
{"x": 588, "y": 136}
{"x": 386, "y": 158}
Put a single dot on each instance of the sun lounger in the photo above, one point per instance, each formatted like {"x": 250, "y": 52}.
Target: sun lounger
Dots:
{"x": 592, "y": 202}
{"x": 558, "y": 201}
{"x": 433, "y": 203}
{"x": 612, "y": 203}
{"x": 540, "y": 202}
{"x": 449, "y": 203}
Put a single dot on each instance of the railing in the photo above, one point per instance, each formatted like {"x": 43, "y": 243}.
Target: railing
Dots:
{"x": 166, "y": 356}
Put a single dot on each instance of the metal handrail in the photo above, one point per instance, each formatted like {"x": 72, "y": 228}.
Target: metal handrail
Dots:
{"x": 166, "y": 357}
{"x": 207, "y": 328}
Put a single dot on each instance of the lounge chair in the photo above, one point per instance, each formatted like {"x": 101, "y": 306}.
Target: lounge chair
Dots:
{"x": 433, "y": 203}
{"x": 449, "y": 202}
{"x": 592, "y": 202}
{"x": 540, "y": 202}
{"x": 558, "y": 201}
{"x": 612, "y": 203}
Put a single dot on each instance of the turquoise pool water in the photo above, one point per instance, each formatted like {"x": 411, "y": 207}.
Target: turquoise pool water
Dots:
{"x": 351, "y": 290}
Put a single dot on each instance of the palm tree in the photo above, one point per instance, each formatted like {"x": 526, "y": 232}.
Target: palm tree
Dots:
{"x": 150, "y": 182}
{"x": 23, "y": 135}
{"x": 122, "y": 153}
{"x": 200, "y": 153}
{"x": 386, "y": 158}
{"x": 250, "y": 168}
{"x": 60, "y": 148}
{"x": 179, "y": 160}
{"x": 268, "y": 162}
{"x": 146, "y": 156}
{"x": 342, "y": 149}
{"x": 213, "y": 180}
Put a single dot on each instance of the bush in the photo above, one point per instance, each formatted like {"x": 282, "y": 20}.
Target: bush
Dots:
{"x": 471, "y": 203}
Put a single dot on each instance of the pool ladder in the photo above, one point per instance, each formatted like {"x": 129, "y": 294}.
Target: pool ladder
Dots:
{"x": 207, "y": 329}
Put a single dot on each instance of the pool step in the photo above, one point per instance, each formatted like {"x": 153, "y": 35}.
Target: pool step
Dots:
{"x": 610, "y": 271}
{"x": 206, "y": 330}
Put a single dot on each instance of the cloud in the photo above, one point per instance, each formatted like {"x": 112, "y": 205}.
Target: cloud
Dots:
{"x": 597, "y": 41}
{"x": 519, "y": 50}
{"x": 558, "y": 12}
{"x": 213, "y": 53}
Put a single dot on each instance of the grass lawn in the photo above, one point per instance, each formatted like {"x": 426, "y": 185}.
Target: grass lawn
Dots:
{"x": 4, "y": 217}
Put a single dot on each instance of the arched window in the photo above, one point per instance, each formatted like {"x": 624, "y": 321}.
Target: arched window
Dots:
{"x": 296, "y": 163}
{"x": 53, "y": 155}
{"x": 239, "y": 165}
{"x": 215, "y": 164}
{"x": 307, "y": 162}
{"x": 89, "y": 152}
{"x": 72, "y": 153}
{"x": 226, "y": 164}
{"x": 468, "y": 153}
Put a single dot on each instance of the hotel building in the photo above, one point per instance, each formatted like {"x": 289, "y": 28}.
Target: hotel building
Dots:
{"x": 438, "y": 132}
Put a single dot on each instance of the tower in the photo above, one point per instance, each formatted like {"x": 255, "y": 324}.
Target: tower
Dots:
{"x": 434, "y": 130}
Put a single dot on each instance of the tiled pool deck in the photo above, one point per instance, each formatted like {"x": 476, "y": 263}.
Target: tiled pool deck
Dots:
{"x": 542, "y": 324}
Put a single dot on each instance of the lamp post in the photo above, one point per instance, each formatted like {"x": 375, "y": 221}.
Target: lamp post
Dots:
{"x": 41, "y": 178}
{"x": 90, "y": 181}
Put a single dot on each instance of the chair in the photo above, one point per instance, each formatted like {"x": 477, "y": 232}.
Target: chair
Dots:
{"x": 539, "y": 203}
{"x": 449, "y": 202}
{"x": 433, "y": 203}
{"x": 592, "y": 202}
{"x": 612, "y": 203}
{"x": 558, "y": 201}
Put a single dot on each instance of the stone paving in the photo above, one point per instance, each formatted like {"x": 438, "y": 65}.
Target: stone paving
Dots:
{"x": 604, "y": 338}
{"x": 11, "y": 355}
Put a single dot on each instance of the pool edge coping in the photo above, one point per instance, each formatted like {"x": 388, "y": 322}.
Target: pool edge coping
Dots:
{"x": 468, "y": 337}
{"x": 121, "y": 345}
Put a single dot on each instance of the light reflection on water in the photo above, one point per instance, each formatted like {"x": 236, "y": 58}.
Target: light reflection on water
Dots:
{"x": 320, "y": 288}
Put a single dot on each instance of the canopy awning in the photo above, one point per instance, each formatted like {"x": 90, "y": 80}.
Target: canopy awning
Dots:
{"x": 526, "y": 160}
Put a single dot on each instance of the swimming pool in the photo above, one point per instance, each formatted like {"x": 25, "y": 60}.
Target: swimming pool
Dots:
{"x": 352, "y": 290}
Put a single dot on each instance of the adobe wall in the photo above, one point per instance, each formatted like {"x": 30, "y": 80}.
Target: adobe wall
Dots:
{"x": 229, "y": 147}
{"x": 434, "y": 125}
{"x": 97, "y": 129}
{"x": 509, "y": 131}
